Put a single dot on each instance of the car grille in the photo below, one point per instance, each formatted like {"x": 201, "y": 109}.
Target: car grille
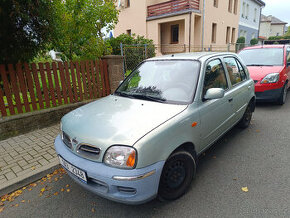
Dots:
{"x": 88, "y": 151}
{"x": 66, "y": 140}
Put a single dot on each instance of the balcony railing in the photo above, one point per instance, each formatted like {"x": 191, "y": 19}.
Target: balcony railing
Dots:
{"x": 172, "y": 7}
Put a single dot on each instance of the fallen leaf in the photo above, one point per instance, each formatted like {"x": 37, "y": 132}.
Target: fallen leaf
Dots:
{"x": 245, "y": 189}
{"x": 55, "y": 179}
{"x": 30, "y": 189}
{"x": 257, "y": 130}
{"x": 42, "y": 190}
{"x": 67, "y": 185}
{"x": 40, "y": 194}
{"x": 93, "y": 210}
{"x": 16, "y": 205}
{"x": 33, "y": 168}
{"x": 68, "y": 190}
{"x": 1, "y": 209}
{"x": 23, "y": 201}
{"x": 33, "y": 184}
{"x": 62, "y": 189}
{"x": 24, "y": 188}
{"x": 28, "y": 201}
{"x": 234, "y": 178}
{"x": 56, "y": 193}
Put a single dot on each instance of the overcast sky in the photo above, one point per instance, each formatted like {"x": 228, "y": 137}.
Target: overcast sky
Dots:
{"x": 278, "y": 8}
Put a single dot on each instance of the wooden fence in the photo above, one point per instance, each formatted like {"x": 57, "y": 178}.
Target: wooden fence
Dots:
{"x": 25, "y": 88}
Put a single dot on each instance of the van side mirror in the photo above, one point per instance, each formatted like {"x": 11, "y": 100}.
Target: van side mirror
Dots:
{"x": 214, "y": 93}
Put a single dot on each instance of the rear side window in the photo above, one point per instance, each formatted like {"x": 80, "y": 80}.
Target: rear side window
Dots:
{"x": 236, "y": 73}
{"x": 242, "y": 70}
{"x": 215, "y": 76}
{"x": 288, "y": 56}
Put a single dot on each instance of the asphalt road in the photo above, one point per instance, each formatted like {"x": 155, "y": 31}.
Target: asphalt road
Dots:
{"x": 257, "y": 158}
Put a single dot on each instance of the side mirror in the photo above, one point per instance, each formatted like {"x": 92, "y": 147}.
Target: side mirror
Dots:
{"x": 214, "y": 93}
{"x": 288, "y": 64}
{"x": 120, "y": 82}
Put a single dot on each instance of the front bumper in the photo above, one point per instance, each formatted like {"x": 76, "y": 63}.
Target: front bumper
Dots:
{"x": 134, "y": 186}
{"x": 269, "y": 95}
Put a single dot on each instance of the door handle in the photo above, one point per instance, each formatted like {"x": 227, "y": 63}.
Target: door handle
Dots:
{"x": 230, "y": 99}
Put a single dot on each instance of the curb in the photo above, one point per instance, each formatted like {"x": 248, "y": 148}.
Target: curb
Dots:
{"x": 24, "y": 180}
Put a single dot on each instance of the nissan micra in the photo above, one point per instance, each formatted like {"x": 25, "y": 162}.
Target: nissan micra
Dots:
{"x": 144, "y": 140}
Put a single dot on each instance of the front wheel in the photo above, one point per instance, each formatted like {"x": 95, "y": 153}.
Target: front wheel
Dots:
{"x": 177, "y": 175}
{"x": 246, "y": 119}
{"x": 282, "y": 98}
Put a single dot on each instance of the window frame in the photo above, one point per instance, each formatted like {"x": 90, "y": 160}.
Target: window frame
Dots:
{"x": 216, "y": 3}
{"x": 237, "y": 61}
{"x": 172, "y": 30}
{"x": 204, "y": 73}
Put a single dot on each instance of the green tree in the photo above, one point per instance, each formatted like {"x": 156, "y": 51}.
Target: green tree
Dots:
{"x": 25, "y": 29}
{"x": 78, "y": 27}
{"x": 288, "y": 31}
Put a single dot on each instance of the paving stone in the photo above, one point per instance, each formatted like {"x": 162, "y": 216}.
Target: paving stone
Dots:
{"x": 22, "y": 163}
{"x": 43, "y": 162}
{"x": 16, "y": 169}
{"x": 47, "y": 156}
{"x": 10, "y": 175}
{"x": 32, "y": 152}
{"x": 28, "y": 157}
{"x": 2, "y": 164}
{"x": 29, "y": 166}
{"x": 52, "y": 152}
{"x": 8, "y": 166}
{"x": 3, "y": 180}
{"x": 7, "y": 158}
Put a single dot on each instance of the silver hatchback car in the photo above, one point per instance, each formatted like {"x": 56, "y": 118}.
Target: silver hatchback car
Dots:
{"x": 144, "y": 140}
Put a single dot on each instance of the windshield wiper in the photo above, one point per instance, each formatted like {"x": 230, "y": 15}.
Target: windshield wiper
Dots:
{"x": 150, "y": 98}
{"x": 124, "y": 94}
{"x": 259, "y": 65}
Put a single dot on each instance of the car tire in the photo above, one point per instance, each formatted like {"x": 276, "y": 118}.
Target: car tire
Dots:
{"x": 246, "y": 119}
{"x": 177, "y": 174}
{"x": 283, "y": 95}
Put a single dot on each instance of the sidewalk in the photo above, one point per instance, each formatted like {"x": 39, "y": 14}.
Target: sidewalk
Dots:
{"x": 26, "y": 157}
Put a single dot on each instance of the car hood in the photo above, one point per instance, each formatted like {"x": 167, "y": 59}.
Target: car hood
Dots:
{"x": 259, "y": 72}
{"x": 116, "y": 120}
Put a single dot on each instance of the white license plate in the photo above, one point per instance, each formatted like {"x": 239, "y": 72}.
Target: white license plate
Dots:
{"x": 74, "y": 170}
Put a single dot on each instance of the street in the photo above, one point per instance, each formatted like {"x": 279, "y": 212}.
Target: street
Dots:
{"x": 256, "y": 158}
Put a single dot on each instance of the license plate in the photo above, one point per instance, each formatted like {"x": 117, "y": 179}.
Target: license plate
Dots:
{"x": 74, "y": 170}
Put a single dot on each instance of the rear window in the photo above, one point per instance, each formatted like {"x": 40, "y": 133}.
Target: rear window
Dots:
{"x": 262, "y": 57}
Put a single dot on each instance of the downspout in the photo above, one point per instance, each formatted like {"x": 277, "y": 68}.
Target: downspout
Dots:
{"x": 259, "y": 22}
{"x": 203, "y": 17}
{"x": 189, "y": 30}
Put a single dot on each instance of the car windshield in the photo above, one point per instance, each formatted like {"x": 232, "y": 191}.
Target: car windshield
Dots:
{"x": 262, "y": 57}
{"x": 166, "y": 81}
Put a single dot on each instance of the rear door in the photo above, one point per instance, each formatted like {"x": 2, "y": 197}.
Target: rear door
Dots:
{"x": 240, "y": 91}
{"x": 215, "y": 114}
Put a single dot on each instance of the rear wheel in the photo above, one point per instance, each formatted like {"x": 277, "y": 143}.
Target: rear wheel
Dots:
{"x": 246, "y": 119}
{"x": 282, "y": 98}
{"x": 177, "y": 175}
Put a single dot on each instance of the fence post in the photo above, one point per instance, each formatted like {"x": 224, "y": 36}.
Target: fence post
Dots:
{"x": 145, "y": 46}
{"x": 122, "y": 54}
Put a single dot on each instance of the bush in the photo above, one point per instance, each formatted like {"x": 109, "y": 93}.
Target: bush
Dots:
{"x": 241, "y": 39}
{"x": 254, "y": 41}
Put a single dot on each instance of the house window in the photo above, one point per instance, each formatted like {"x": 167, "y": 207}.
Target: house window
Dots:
{"x": 233, "y": 35}
{"x": 128, "y": 32}
{"x": 247, "y": 12}
{"x": 244, "y": 9}
{"x": 235, "y": 6}
{"x": 174, "y": 34}
{"x": 228, "y": 35}
{"x": 255, "y": 15}
{"x": 127, "y": 5}
{"x": 215, "y": 3}
{"x": 230, "y": 6}
{"x": 213, "y": 33}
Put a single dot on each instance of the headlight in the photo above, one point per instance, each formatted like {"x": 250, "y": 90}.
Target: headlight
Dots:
{"x": 121, "y": 156}
{"x": 271, "y": 78}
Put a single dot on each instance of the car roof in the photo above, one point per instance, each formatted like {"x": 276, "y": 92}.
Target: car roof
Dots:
{"x": 190, "y": 56}
{"x": 265, "y": 46}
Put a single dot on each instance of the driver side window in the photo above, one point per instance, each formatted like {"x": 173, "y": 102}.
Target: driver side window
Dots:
{"x": 215, "y": 76}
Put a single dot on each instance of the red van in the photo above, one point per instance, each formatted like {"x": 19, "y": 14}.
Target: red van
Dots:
{"x": 269, "y": 67}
